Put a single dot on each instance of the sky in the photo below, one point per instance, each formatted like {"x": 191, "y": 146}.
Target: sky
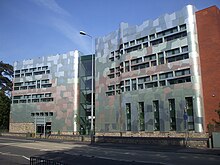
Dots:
{"x": 35, "y": 28}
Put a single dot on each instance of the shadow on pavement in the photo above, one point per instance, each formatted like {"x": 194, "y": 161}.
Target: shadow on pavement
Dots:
{"x": 109, "y": 154}
{"x": 62, "y": 158}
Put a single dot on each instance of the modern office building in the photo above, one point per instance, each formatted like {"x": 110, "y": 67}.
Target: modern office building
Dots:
{"x": 160, "y": 76}
{"x": 52, "y": 94}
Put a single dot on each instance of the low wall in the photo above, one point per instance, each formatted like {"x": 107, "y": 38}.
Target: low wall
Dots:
{"x": 166, "y": 140}
{"x": 190, "y": 134}
{"x": 173, "y": 141}
{"x": 78, "y": 138}
{"x": 14, "y": 134}
{"x": 21, "y": 127}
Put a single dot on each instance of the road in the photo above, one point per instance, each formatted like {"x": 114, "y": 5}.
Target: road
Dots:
{"x": 18, "y": 151}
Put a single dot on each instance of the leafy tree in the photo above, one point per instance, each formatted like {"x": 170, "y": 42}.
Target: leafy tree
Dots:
{"x": 6, "y": 74}
{"x": 4, "y": 110}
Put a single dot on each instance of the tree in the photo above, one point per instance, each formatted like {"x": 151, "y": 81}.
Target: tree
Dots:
{"x": 6, "y": 74}
{"x": 4, "y": 110}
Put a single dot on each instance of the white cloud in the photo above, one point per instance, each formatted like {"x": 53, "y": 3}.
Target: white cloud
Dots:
{"x": 51, "y": 5}
{"x": 64, "y": 27}
{"x": 71, "y": 33}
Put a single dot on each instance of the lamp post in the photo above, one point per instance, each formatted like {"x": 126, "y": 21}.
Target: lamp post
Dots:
{"x": 92, "y": 98}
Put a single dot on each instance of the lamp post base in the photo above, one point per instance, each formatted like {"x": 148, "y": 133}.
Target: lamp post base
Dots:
{"x": 92, "y": 137}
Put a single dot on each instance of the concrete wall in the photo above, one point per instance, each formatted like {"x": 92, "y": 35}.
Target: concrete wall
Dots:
{"x": 160, "y": 141}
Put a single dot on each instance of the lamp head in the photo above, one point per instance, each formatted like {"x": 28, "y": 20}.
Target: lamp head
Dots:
{"x": 82, "y": 33}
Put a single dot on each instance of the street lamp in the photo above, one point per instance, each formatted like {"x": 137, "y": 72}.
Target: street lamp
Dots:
{"x": 92, "y": 99}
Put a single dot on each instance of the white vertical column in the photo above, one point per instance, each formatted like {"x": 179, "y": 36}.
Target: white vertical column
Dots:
{"x": 197, "y": 83}
{"x": 76, "y": 90}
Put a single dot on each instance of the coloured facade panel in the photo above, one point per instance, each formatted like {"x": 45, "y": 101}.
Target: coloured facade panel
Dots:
{"x": 46, "y": 94}
{"x": 148, "y": 77}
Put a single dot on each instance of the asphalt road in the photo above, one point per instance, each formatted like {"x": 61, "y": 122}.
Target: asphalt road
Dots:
{"x": 18, "y": 151}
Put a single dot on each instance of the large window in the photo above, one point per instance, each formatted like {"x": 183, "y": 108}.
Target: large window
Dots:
{"x": 32, "y": 71}
{"x": 166, "y": 75}
{"x": 127, "y": 68}
{"x": 160, "y": 58}
{"x": 172, "y": 114}
{"x": 189, "y": 111}
{"x": 176, "y": 36}
{"x": 182, "y": 72}
{"x": 178, "y": 57}
{"x": 128, "y": 114}
{"x": 134, "y": 84}
{"x": 156, "y": 115}
{"x": 156, "y": 42}
{"x": 32, "y": 84}
{"x": 141, "y": 116}
{"x": 44, "y": 97}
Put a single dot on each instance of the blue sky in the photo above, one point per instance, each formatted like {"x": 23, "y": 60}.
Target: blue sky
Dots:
{"x": 34, "y": 28}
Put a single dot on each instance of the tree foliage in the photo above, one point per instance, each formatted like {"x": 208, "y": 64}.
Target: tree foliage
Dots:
{"x": 4, "y": 110}
{"x": 6, "y": 74}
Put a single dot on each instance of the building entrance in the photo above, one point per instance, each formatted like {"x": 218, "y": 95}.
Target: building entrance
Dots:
{"x": 40, "y": 128}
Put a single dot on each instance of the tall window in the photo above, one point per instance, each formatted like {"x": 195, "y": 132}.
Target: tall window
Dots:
{"x": 172, "y": 114}
{"x": 160, "y": 58}
{"x": 128, "y": 114}
{"x": 156, "y": 115}
{"x": 141, "y": 116}
{"x": 189, "y": 110}
{"x": 127, "y": 67}
{"x": 134, "y": 84}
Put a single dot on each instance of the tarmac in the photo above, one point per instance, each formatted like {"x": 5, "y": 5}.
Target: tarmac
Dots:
{"x": 143, "y": 147}
{"x": 162, "y": 148}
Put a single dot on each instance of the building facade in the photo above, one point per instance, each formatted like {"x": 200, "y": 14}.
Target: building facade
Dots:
{"x": 208, "y": 27}
{"x": 161, "y": 76}
{"x": 46, "y": 95}
{"x": 149, "y": 77}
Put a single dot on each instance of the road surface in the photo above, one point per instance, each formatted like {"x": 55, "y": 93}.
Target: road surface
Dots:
{"x": 18, "y": 151}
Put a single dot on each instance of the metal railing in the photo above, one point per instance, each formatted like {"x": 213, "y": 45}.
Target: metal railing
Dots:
{"x": 40, "y": 161}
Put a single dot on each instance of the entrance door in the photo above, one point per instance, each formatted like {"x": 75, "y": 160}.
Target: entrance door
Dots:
{"x": 40, "y": 128}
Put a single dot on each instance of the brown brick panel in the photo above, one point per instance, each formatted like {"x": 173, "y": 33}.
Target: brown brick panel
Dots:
{"x": 208, "y": 26}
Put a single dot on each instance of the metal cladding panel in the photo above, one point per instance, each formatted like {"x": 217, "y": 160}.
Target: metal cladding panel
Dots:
{"x": 62, "y": 75}
{"x": 110, "y": 110}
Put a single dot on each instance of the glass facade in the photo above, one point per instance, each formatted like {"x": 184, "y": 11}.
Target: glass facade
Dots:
{"x": 85, "y": 83}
